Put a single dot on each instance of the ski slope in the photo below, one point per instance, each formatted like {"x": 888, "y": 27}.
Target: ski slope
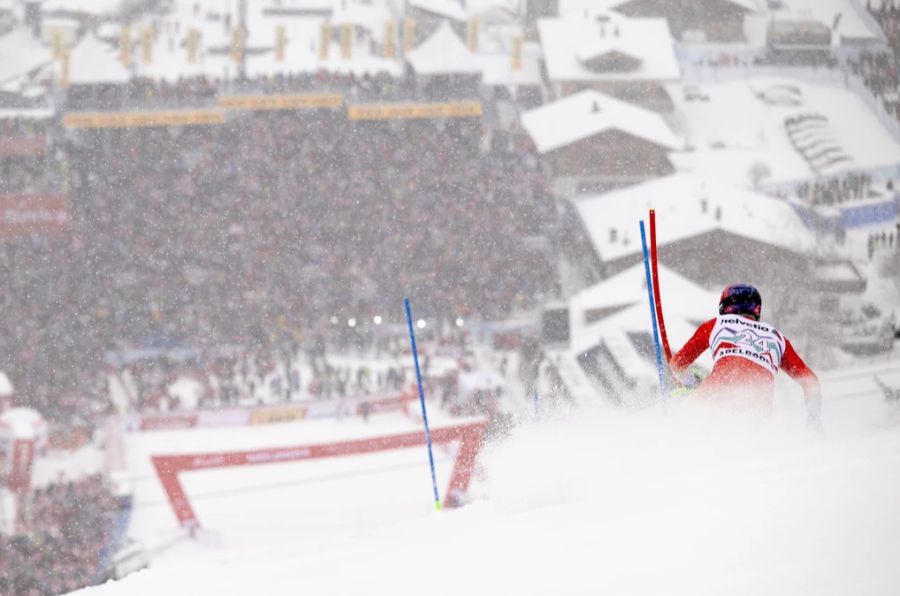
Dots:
{"x": 674, "y": 500}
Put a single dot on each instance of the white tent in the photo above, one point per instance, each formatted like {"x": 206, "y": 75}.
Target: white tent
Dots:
{"x": 92, "y": 61}
{"x": 21, "y": 53}
{"x": 443, "y": 53}
{"x": 6, "y": 386}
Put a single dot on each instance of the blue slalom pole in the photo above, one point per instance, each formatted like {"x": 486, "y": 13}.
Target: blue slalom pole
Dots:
{"x": 415, "y": 351}
{"x": 537, "y": 403}
{"x": 650, "y": 294}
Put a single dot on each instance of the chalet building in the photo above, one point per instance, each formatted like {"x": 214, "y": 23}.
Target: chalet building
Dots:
{"x": 631, "y": 59}
{"x": 710, "y": 233}
{"x": 591, "y": 142}
{"x": 716, "y": 21}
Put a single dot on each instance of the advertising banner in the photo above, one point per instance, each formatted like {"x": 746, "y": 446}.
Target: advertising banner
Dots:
{"x": 229, "y": 417}
{"x": 22, "y": 146}
{"x": 282, "y": 102}
{"x": 277, "y": 414}
{"x": 385, "y": 404}
{"x": 21, "y": 458}
{"x": 142, "y": 119}
{"x": 322, "y": 409}
{"x": 23, "y": 214}
{"x": 168, "y": 421}
{"x": 412, "y": 111}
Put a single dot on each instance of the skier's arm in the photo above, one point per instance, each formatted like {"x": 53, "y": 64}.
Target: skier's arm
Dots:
{"x": 695, "y": 346}
{"x": 797, "y": 369}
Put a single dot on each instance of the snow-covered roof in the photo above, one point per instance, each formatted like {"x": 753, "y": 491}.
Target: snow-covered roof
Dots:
{"x": 93, "y": 7}
{"x": 689, "y": 205}
{"x": 170, "y": 63}
{"x": 624, "y": 296}
{"x": 497, "y": 68}
{"x": 93, "y": 61}
{"x": 589, "y": 113}
{"x": 371, "y": 16}
{"x": 569, "y": 6}
{"x": 830, "y": 13}
{"x": 22, "y": 53}
{"x": 108, "y": 30}
{"x": 27, "y": 113}
{"x": 629, "y": 287}
{"x": 60, "y": 22}
{"x": 571, "y": 41}
{"x": 450, "y": 9}
{"x": 360, "y": 64}
{"x": 613, "y": 332}
{"x": 443, "y": 53}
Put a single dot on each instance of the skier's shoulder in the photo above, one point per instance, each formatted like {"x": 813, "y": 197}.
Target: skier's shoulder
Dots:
{"x": 740, "y": 322}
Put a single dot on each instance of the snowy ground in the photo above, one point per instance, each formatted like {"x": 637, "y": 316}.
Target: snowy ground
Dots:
{"x": 729, "y": 148}
{"x": 589, "y": 502}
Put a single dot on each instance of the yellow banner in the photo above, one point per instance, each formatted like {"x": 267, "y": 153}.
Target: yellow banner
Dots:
{"x": 277, "y": 414}
{"x": 139, "y": 119}
{"x": 410, "y": 111}
{"x": 282, "y": 102}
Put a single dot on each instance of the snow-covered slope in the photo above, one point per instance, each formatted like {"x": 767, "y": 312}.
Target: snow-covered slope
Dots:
{"x": 601, "y": 501}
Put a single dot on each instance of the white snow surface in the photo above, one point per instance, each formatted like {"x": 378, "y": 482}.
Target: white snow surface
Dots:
{"x": 734, "y": 131}
{"x": 686, "y": 500}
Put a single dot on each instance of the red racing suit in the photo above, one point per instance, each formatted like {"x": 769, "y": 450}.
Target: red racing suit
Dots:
{"x": 747, "y": 355}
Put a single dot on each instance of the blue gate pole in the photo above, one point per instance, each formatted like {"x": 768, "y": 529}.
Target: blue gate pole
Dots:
{"x": 412, "y": 339}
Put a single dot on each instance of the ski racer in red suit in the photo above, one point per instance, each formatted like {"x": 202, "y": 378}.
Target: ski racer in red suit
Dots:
{"x": 747, "y": 354}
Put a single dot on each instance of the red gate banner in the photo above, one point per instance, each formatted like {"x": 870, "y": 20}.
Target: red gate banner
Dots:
{"x": 168, "y": 467}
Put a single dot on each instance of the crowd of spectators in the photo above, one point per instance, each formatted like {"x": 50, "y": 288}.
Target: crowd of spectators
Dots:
{"x": 266, "y": 377}
{"x": 27, "y": 160}
{"x": 68, "y": 526}
{"x": 259, "y": 232}
{"x": 886, "y": 240}
{"x": 205, "y": 91}
{"x": 838, "y": 189}
{"x": 880, "y": 71}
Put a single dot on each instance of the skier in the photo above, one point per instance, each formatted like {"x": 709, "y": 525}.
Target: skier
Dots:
{"x": 747, "y": 355}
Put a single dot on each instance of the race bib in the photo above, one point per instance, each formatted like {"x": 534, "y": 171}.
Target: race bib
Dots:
{"x": 757, "y": 342}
